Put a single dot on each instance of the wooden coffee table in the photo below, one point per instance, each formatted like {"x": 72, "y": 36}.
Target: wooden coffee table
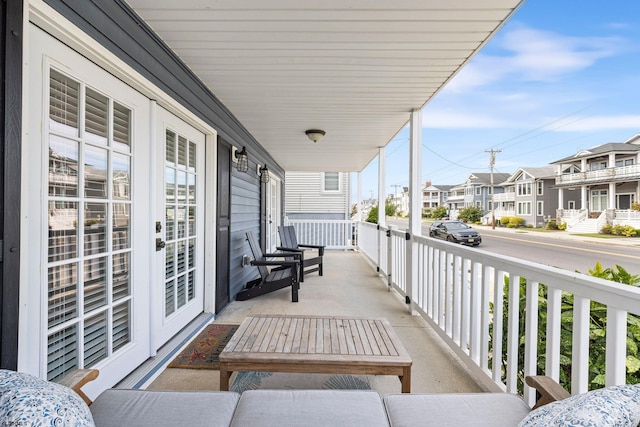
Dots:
{"x": 316, "y": 344}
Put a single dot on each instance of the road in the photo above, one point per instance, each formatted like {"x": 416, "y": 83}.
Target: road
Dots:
{"x": 574, "y": 253}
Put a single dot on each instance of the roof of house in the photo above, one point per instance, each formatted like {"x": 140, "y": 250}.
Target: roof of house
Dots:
{"x": 610, "y": 147}
{"x": 535, "y": 172}
{"x": 434, "y": 187}
{"x": 484, "y": 178}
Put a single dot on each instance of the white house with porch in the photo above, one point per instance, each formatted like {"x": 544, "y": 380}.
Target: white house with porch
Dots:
{"x": 608, "y": 178}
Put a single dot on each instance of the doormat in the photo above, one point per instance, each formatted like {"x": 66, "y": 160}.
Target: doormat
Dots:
{"x": 297, "y": 381}
{"x": 204, "y": 350}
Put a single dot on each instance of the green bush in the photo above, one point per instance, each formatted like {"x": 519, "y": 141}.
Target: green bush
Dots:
{"x": 439, "y": 212}
{"x": 373, "y": 215}
{"x": 562, "y": 226}
{"x": 471, "y": 214}
{"x": 515, "y": 222}
{"x": 551, "y": 225}
{"x": 505, "y": 220}
{"x": 606, "y": 229}
{"x": 623, "y": 230}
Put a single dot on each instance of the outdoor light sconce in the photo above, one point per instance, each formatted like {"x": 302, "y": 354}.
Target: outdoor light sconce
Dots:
{"x": 315, "y": 134}
{"x": 263, "y": 173}
{"x": 240, "y": 159}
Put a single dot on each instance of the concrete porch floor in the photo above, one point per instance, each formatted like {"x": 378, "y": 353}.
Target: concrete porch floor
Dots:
{"x": 350, "y": 287}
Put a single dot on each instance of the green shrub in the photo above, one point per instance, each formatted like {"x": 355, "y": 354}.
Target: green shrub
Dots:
{"x": 562, "y": 226}
{"x": 515, "y": 222}
{"x": 471, "y": 214}
{"x": 505, "y": 220}
{"x": 606, "y": 229}
{"x": 623, "y": 230}
{"x": 551, "y": 225}
{"x": 439, "y": 212}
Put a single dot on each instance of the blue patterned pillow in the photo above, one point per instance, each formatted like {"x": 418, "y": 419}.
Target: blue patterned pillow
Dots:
{"x": 26, "y": 400}
{"x": 610, "y": 406}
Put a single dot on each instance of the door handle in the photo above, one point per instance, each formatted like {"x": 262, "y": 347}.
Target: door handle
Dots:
{"x": 160, "y": 244}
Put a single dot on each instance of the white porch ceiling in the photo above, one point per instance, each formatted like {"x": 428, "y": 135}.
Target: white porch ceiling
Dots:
{"x": 353, "y": 68}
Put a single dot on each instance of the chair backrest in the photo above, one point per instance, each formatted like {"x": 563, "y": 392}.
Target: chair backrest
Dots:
{"x": 256, "y": 251}
{"x": 288, "y": 236}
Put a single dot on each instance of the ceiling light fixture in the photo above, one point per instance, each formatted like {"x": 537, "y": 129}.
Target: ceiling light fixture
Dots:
{"x": 315, "y": 134}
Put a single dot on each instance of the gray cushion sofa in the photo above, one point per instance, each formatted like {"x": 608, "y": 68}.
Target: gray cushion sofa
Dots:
{"x": 25, "y": 397}
{"x": 288, "y": 408}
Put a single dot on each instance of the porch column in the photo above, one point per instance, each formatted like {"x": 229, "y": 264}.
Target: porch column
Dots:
{"x": 382, "y": 235}
{"x": 359, "y": 198}
{"x": 561, "y": 198}
{"x": 612, "y": 196}
{"x": 415, "y": 209}
{"x": 584, "y": 202}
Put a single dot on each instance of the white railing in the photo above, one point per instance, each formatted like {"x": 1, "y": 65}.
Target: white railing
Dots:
{"x": 334, "y": 234}
{"x": 622, "y": 172}
{"x": 627, "y": 214}
{"x": 574, "y": 216}
{"x": 460, "y": 291}
{"x": 504, "y": 197}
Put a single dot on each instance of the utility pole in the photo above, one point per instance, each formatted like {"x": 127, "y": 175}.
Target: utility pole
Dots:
{"x": 492, "y": 162}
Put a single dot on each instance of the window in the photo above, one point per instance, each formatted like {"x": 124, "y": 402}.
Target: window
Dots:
{"x": 524, "y": 189}
{"x": 626, "y": 162}
{"x": 598, "y": 166}
{"x": 539, "y": 208}
{"x": 478, "y": 190}
{"x": 331, "y": 181}
{"x": 89, "y": 226}
{"x": 524, "y": 208}
{"x": 540, "y": 188}
{"x": 571, "y": 204}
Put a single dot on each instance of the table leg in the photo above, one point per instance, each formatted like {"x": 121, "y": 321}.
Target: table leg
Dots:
{"x": 224, "y": 378}
{"x": 405, "y": 379}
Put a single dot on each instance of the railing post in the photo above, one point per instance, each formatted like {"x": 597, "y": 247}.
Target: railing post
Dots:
{"x": 616, "y": 345}
{"x": 580, "y": 346}
{"x": 389, "y": 257}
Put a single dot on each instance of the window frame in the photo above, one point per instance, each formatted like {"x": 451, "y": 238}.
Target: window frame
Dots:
{"x": 324, "y": 183}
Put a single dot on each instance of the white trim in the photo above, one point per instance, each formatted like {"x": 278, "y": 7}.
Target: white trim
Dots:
{"x": 64, "y": 30}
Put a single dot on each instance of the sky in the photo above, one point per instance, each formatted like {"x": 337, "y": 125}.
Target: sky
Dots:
{"x": 559, "y": 77}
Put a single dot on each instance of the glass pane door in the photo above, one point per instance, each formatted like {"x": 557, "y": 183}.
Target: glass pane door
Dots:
{"x": 180, "y": 221}
{"x": 89, "y": 227}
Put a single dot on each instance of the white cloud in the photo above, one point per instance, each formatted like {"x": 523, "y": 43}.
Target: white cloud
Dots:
{"x": 534, "y": 55}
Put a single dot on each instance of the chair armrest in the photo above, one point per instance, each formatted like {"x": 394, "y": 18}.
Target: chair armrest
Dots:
{"x": 279, "y": 263}
{"x": 548, "y": 389}
{"x": 282, "y": 255}
{"x": 75, "y": 380}
{"x": 320, "y": 248}
{"x": 290, "y": 250}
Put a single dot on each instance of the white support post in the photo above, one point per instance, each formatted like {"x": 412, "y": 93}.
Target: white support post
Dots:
{"x": 612, "y": 196}
{"x": 382, "y": 170}
{"x": 359, "y": 198}
{"x": 415, "y": 206}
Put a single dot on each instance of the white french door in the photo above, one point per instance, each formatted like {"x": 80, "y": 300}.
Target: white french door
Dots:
{"x": 86, "y": 255}
{"x": 179, "y": 283}
{"x": 273, "y": 212}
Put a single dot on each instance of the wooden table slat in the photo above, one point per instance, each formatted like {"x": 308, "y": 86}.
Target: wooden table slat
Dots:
{"x": 357, "y": 341}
